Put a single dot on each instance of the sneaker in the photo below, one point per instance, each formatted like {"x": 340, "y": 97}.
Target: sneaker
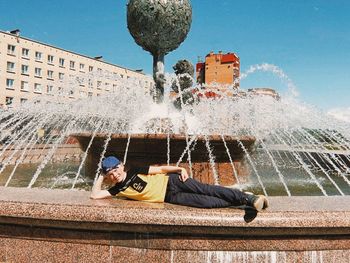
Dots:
{"x": 258, "y": 202}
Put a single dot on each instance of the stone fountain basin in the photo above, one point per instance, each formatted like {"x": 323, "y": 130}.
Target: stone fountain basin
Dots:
{"x": 148, "y": 149}
{"x": 37, "y": 224}
{"x": 154, "y": 147}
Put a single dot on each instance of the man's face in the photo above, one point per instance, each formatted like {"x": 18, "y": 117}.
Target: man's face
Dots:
{"x": 116, "y": 175}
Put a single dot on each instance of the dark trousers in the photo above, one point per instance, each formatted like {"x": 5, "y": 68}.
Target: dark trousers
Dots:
{"x": 196, "y": 194}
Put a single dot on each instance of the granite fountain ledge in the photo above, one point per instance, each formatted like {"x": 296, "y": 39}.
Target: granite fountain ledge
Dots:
{"x": 61, "y": 218}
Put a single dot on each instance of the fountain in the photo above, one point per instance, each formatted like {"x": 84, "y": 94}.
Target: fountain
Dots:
{"x": 277, "y": 147}
{"x": 150, "y": 23}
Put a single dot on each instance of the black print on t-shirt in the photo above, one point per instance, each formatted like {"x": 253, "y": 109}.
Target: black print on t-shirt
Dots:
{"x": 138, "y": 184}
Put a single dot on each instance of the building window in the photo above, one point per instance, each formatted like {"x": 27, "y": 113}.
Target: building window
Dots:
{"x": 10, "y": 67}
{"x": 90, "y": 83}
{"x": 24, "y": 69}
{"x": 24, "y": 86}
{"x": 61, "y": 76}
{"x": 80, "y": 81}
{"x": 25, "y": 52}
{"x": 71, "y": 64}
{"x": 10, "y": 83}
{"x": 9, "y": 101}
{"x": 107, "y": 86}
{"x": 50, "y": 59}
{"x": 81, "y": 67}
{"x": 38, "y": 56}
{"x": 89, "y": 94}
{"x": 37, "y": 72}
{"x": 61, "y": 62}
{"x": 37, "y": 88}
{"x": 11, "y": 49}
{"x": 91, "y": 68}
{"x": 49, "y": 89}
{"x": 50, "y": 74}
{"x": 23, "y": 100}
{"x": 99, "y": 83}
{"x": 99, "y": 71}
{"x": 114, "y": 87}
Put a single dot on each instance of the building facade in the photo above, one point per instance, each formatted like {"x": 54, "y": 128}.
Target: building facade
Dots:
{"x": 219, "y": 68}
{"x": 264, "y": 92}
{"x": 30, "y": 70}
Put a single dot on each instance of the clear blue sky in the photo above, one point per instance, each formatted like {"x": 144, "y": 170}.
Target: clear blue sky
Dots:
{"x": 309, "y": 40}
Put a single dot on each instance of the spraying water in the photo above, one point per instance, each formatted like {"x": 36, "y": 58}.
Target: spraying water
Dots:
{"x": 294, "y": 141}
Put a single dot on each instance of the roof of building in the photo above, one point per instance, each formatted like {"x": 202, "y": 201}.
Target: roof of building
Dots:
{"x": 72, "y": 52}
{"x": 228, "y": 58}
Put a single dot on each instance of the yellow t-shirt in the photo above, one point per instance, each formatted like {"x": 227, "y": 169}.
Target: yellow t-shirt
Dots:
{"x": 154, "y": 190}
{"x": 141, "y": 186}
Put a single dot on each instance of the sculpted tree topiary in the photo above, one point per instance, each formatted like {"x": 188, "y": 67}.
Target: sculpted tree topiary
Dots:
{"x": 159, "y": 27}
{"x": 182, "y": 85}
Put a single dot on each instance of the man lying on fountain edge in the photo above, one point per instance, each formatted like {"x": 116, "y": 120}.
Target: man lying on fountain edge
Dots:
{"x": 169, "y": 184}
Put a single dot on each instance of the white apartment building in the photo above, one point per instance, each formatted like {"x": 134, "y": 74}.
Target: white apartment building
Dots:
{"x": 30, "y": 70}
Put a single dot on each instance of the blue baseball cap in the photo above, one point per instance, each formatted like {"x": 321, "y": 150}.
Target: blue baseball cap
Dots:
{"x": 109, "y": 163}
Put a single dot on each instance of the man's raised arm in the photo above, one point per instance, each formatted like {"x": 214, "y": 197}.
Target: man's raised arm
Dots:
{"x": 169, "y": 169}
{"x": 97, "y": 192}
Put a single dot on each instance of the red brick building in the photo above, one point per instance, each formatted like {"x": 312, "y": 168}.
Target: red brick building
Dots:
{"x": 219, "y": 68}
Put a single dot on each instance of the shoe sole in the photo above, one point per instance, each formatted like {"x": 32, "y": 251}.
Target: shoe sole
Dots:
{"x": 266, "y": 202}
{"x": 259, "y": 203}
